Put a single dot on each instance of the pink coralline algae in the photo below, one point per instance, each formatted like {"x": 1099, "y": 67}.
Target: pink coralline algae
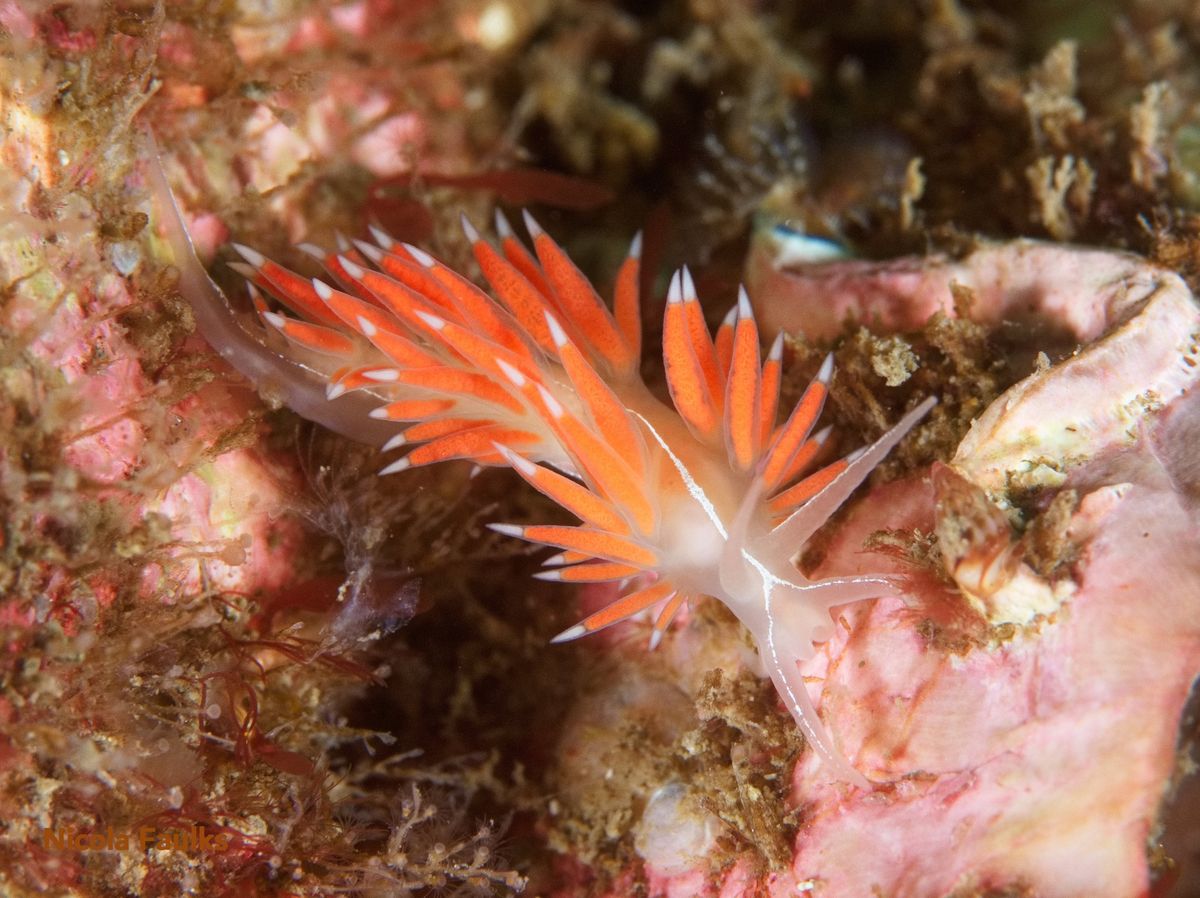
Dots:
{"x": 122, "y": 437}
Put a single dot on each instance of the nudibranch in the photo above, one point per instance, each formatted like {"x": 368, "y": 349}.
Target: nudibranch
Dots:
{"x": 711, "y": 495}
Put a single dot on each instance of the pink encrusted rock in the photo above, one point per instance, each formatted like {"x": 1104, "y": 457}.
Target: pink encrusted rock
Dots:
{"x": 232, "y": 512}
{"x": 379, "y": 97}
{"x": 1142, "y": 358}
{"x": 1035, "y": 755}
{"x": 119, "y": 434}
{"x": 1024, "y": 282}
{"x": 1006, "y": 765}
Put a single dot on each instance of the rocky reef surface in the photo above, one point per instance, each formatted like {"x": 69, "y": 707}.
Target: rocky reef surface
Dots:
{"x": 215, "y": 616}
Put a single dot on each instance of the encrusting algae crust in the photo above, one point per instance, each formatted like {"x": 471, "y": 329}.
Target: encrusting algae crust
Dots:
{"x": 217, "y": 616}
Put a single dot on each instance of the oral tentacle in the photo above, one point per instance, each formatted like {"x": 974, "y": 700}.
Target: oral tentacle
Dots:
{"x": 836, "y": 591}
{"x": 785, "y": 674}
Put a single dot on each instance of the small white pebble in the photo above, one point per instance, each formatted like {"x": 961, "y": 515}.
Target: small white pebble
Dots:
{"x": 125, "y": 257}
{"x": 496, "y": 27}
{"x": 675, "y": 832}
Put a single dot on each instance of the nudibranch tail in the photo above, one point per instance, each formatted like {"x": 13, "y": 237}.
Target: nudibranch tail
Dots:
{"x": 707, "y": 496}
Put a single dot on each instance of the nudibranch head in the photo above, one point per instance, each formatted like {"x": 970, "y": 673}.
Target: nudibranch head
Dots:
{"x": 714, "y": 494}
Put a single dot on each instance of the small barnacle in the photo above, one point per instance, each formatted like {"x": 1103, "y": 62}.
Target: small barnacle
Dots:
{"x": 974, "y": 536}
{"x": 762, "y": 176}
